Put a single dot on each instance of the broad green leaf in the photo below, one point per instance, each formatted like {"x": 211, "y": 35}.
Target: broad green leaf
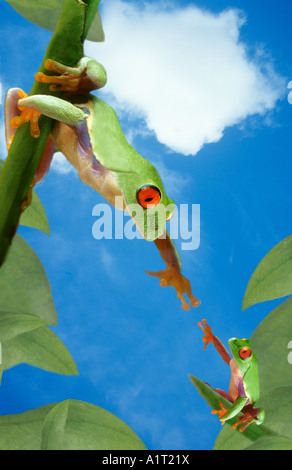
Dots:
{"x": 70, "y": 425}
{"x": 272, "y": 278}
{"x": 24, "y": 286}
{"x": 271, "y": 344}
{"x": 96, "y": 33}
{"x": 46, "y": 13}
{"x": 34, "y": 216}
{"x": 75, "y": 425}
{"x": 268, "y": 443}
{"x": 26, "y": 307}
{"x": 23, "y": 431}
{"x": 14, "y": 324}
{"x": 278, "y": 408}
{"x": 39, "y": 348}
{"x": 54, "y": 427}
{"x": 229, "y": 439}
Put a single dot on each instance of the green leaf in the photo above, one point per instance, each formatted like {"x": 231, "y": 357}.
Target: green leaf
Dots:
{"x": 70, "y": 425}
{"x": 34, "y": 216}
{"x": 278, "y": 407}
{"x": 46, "y": 13}
{"x": 270, "y": 342}
{"x": 75, "y": 425}
{"x": 268, "y": 443}
{"x": 54, "y": 427}
{"x": 272, "y": 278}
{"x": 14, "y": 324}
{"x": 24, "y": 285}
{"x": 26, "y": 307}
{"x": 23, "y": 431}
{"x": 39, "y": 348}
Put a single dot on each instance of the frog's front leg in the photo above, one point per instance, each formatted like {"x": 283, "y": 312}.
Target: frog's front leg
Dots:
{"x": 226, "y": 414}
{"x": 172, "y": 276}
{"x": 16, "y": 115}
{"x": 210, "y": 338}
{"x": 33, "y": 106}
{"x": 88, "y": 75}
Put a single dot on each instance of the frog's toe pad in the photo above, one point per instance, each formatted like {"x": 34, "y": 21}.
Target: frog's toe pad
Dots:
{"x": 208, "y": 333}
{"x": 221, "y": 413}
{"x": 28, "y": 115}
{"x": 60, "y": 82}
{"x": 171, "y": 276}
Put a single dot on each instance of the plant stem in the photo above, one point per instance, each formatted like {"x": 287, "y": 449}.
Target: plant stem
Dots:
{"x": 66, "y": 46}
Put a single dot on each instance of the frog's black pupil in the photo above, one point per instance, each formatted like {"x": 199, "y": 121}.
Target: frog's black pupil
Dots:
{"x": 149, "y": 199}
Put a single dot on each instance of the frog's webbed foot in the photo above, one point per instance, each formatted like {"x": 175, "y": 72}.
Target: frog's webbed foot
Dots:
{"x": 88, "y": 75}
{"x": 68, "y": 80}
{"x": 171, "y": 276}
{"x": 209, "y": 337}
{"x": 26, "y": 115}
{"x": 221, "y": 413}
{"x": 17, "y": 113}
{"x": 250, "y": 416}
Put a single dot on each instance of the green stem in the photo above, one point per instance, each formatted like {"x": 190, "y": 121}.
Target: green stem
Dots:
{"x": 66, "y": 46}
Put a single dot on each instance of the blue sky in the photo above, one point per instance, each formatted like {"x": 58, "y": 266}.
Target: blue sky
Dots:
{"x": 224, "y": 83}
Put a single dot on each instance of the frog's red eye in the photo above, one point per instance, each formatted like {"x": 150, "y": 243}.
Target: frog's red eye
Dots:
{"x": 148, "y": 196}
{"x": 245, "y": 353}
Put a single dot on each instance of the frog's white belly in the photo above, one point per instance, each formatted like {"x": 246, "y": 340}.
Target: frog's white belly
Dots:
{"x": 90, "y": 170}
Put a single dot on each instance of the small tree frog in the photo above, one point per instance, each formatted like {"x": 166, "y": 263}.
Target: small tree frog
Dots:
{"x": 88, "y": 133}
{"x": 244, "y": 390}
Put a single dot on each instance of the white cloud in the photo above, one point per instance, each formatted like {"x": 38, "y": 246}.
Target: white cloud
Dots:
{"x": 61, "y": 165}
{"x": 184, "y": 70}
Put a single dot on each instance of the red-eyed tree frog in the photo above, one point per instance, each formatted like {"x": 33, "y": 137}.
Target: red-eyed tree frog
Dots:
{"x": 244, "y": 389}
{"x": 88, "y": 133}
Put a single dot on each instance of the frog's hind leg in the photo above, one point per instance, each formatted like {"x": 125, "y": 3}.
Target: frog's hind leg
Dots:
{"x": 250, "y": 415}
{"x": 45, "y": 161}
{"x": 221, "y": 392}
{"x": 88, "y": 75}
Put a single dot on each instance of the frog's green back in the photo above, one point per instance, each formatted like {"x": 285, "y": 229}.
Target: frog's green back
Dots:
{"x": 251, "y": 381}
{"x": 108, "y": 141}
{"x": 131, "y": 170}
{"x": 114, "y": 152}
